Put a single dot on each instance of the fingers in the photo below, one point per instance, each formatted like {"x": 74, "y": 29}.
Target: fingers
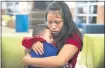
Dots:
{"x": 38, "y": 48}
{"x": 28, "y": 55}
{"x": 26, "y": 59}
{"x": 41, "y": 47}
{"x": 35, "y": 50}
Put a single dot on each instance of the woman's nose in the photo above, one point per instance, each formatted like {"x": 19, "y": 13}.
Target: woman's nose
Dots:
{"x": 53, "y": 25}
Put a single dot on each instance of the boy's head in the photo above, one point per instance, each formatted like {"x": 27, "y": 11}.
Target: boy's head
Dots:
{"x": 42, "y": 31}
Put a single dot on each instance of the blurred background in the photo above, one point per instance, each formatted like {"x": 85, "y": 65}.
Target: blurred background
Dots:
{"x": 19, "y": 17}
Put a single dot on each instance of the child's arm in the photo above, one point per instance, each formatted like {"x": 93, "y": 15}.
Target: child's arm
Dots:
{"x": 26, "y": 51}
{"x": 27, "y": 42}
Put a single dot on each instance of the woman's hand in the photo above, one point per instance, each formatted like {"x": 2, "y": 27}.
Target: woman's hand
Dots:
{"x": 38, "y": 48}
{"x": 26, "y": 59}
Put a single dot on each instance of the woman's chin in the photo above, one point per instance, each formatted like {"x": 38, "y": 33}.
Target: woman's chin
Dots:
{"x": 55, "y": 34}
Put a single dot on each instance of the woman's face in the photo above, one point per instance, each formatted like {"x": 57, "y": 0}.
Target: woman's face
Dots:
{"x": 54, "y": 21}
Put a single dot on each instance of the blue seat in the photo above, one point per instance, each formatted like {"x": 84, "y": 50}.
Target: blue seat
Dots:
{"x": 93, "y": 28}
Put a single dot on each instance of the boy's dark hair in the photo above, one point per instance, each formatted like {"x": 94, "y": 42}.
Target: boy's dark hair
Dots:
{"x": 38, "y": 29}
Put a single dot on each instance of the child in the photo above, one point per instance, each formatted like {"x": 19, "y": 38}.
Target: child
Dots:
{"x": 43, "y": 34}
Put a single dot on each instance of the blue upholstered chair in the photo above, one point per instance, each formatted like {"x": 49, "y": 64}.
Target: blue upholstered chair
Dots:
{"x": 93, "y": 28}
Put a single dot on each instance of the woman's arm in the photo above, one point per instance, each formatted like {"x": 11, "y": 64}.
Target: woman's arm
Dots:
{"x": 66, "y": 53}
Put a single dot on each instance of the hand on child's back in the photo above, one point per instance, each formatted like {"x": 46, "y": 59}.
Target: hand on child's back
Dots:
{"x": 38, "y": 48}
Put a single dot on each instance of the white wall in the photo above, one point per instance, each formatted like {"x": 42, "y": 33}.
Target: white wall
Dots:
{"x": 71, "y": 4}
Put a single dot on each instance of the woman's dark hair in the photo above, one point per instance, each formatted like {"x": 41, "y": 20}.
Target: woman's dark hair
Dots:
{"x": 69, "y": 27}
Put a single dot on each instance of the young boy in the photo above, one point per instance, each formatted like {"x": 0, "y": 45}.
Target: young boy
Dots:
{"x": 43, "y": 34}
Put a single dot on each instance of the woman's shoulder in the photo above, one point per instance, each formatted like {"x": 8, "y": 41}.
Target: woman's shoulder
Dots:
{"x": 75, "y": 40}
{"x": 76, "y": 37}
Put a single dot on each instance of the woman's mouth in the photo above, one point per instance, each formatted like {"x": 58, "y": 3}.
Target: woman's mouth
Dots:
{"x": 55, "y": 32}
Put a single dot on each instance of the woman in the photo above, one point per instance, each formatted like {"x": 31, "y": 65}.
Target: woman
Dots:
{"x": 66, "y": 36}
